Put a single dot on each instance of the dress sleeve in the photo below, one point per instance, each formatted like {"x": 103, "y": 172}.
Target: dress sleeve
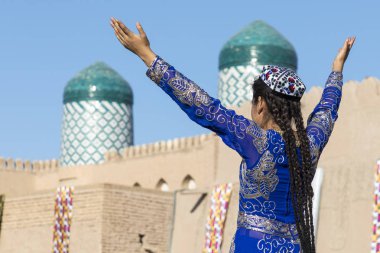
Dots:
{"x": 321, "y": 121}
{"x": 236, "y": 131}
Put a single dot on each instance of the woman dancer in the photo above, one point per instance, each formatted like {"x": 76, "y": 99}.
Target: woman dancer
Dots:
{"x": 279, "y": 155}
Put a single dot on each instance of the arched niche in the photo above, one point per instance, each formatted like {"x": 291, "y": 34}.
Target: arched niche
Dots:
{"x": 137, "y": 185}
{"x": 189, "y": 183}
{"x": 162, "y": 185}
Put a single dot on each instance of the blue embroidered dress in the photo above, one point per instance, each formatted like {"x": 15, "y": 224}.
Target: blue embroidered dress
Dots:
{"x": 266, "y": 221}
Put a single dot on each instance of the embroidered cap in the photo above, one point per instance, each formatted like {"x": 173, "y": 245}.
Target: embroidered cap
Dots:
{"x": 283, "y": 80}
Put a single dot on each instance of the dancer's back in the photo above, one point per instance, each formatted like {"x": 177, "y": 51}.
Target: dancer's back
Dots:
{"x": 266, "y": 217}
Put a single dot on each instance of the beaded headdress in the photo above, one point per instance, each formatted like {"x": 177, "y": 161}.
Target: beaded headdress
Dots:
{"x": 283, "y": 81}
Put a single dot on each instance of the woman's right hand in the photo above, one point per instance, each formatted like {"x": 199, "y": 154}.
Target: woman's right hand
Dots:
{"x": 342, "y": 55}
{"x": 137, "y": 44}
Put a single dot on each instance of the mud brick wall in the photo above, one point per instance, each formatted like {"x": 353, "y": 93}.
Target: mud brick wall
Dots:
{"x": 106, "y": 218}
{"x": 136, "y": 220}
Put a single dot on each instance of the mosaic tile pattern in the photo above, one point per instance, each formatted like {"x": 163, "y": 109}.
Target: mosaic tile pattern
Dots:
{"x": 234, "y": 84}
{"x": 92, "y": 127}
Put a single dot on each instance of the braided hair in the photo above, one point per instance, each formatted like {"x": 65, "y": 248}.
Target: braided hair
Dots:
{"x": 285, "y": 113}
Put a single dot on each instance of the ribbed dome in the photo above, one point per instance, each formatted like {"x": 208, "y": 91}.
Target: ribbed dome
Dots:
{"x": 258, "y": 44}
{"x": 98, "y": 82}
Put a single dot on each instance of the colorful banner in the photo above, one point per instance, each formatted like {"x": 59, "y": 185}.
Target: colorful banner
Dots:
{"x": 63, "y": 213}
{"x": 376, "y": 212}
{"x": 215, "y": 222}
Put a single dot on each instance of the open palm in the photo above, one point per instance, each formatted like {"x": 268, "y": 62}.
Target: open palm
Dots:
{"x": 343, "y": 53}
{"x": 136, "y": 43}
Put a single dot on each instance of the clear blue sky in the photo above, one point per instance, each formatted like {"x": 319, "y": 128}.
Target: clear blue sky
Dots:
{"x": 43, "y": 44}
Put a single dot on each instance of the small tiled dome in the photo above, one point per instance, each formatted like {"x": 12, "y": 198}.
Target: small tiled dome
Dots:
{"x": 98, "y": 82}
{"x": 258, "y": 44}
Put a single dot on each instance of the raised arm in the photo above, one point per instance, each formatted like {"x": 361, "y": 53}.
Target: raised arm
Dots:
{"x": 236, "y": 131}
{"x": 321, "y": 121}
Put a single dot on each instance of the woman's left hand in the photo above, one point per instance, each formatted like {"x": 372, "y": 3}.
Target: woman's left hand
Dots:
{"x": 342, "y": 55}
{"x": 137, "y": 44}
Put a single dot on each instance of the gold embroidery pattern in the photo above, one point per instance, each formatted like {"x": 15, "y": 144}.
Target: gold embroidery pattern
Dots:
{"x": 314, "y": 151}
{"x": 323, "y": 121}
{"x": 184, "y": 89}
{"x": 273, "y": 244}
{"x": 261, "y": 180}
{"x": 265, "y": 209}
{"x": 335, "y": 80}
{"x": 335, "y": 85}
{"x": 156, "y": 70}
{"x": 298, "y": 142}
{"x": 259, "y": 136}
{"x": 268, "y": 226}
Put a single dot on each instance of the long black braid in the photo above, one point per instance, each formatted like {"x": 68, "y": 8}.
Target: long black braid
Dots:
{"x": 286, "y": 112}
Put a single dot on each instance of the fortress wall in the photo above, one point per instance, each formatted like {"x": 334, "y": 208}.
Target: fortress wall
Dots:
{"x": 17, "y": 177}
{"x": 195, "y": 159}
{"x": 231, "y": 220}
{"x": 190, "y": 228}
{"x": 28, "y": 222}
{"x": 28, "y": 165}
{"x": 228, "y": 163}
{"x": 15, "y": 183}
{"x": 86, "y": 229}
{"x": 106, "y": 218}
{"x": 129, "y": 212}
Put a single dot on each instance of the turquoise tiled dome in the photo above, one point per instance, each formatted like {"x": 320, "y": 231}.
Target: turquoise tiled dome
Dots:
{"x": 97, "y": 116}
{"x": 258, "y": 43}
{"x": 243, "y": 56}
{"x": 98, "y": 82}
